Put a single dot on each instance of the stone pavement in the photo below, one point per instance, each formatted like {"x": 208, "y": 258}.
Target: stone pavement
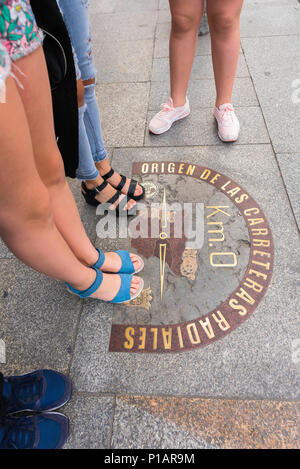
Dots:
{"x": 185, "y": 371}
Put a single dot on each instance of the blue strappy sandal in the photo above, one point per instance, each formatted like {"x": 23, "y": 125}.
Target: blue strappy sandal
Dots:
{"x": 123, "y": 294}
{"x": 127, "y": 265}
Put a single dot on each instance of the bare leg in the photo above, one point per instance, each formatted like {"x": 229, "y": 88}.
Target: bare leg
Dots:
{"x": 49, "y": 162}
{"x": 26, "y": 219}
{"x": 186, "y": 17}
{"x": 27, "y": 222}
{"x": 224, "y": 22}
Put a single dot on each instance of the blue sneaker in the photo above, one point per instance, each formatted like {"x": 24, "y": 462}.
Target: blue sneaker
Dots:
{"x": 39, "y": 391}
{"x": 41, "y": 431}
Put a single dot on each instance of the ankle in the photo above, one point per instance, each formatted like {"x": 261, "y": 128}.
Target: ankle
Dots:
{"x": 103, "y": 165}
{"x": 90, "y": 259}
{"x": 92, "y": 183}
{"x": 178, "y": 101}
{"x": 88, "y": 278}
{"x": 219, "y": 102}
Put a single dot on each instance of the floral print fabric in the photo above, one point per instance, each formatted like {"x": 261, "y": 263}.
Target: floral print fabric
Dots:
{"x": 19, "y": 33}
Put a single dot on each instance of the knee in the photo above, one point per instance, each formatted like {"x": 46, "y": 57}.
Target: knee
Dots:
{"x": 182, "y": 24}
{"x": 35, "y": 210}
{"x": 53, "y": 172}
{"x": 223, "y": 23}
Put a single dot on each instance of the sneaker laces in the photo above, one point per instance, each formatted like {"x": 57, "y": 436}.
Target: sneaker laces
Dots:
{"x": 226, "y": 113}
{"x": 28, "y": 390}
{"x": 165, "y": 108}
{"x": 20, "y": 433}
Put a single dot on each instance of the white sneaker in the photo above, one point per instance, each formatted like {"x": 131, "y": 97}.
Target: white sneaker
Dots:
{"x": 164, "y": 119}
{"x": 228, "y": 124}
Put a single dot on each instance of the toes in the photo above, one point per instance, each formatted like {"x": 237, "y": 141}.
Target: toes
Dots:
{"x": 135, "y": 285}
{"x": 135, "y": 261}
{"x": 138, "y": 191}
{"x": 130, "y": 204}
{"x": 135, "y": 281}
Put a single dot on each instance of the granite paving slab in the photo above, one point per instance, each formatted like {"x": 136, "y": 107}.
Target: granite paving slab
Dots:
{"x": 142, "y": 422}
{"x": 38, "y": 320}
{"x": 90, "y": 421}
{"x": 277, "y": 87}
{"x": 135, "y": 428}
{"x": 124, "y": 61}
{"x": 136, "y": 5}
{"x": 116, "y": 100}
{"x": 163, "y": 4}
{"x": 104, "y": 6}
{"x": 290, "y": 170}
{"x": 202, "y": 93}
{"x": 202, "y": 68}
{"x": 254, "y": 361}
{"x": 261, "y": 18}
{"x": 4, "y": 251}
{"x": 123, "y": 26}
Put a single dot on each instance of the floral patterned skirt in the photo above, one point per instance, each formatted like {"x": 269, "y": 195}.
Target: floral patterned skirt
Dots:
{"x": 19, "y": 35}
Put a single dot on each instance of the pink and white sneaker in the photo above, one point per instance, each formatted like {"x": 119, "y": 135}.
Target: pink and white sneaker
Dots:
{"x": 228, "y": 124}
{"x": 164, "y": 119}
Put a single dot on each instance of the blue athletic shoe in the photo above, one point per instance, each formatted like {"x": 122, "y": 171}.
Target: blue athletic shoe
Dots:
{"x": 41, "y": 431}
{"x": 39, "y": 391}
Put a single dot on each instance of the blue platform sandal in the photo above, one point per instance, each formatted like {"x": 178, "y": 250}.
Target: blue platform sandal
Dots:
{"x": 123, "y": 294}
{"x": 127, "y": 265}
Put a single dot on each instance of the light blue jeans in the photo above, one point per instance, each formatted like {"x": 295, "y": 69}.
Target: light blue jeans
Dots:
{"x": 91, "y": 145}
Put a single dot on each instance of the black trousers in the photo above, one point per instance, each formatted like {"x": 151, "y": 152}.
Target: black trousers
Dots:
{"x": 61, "y": 69}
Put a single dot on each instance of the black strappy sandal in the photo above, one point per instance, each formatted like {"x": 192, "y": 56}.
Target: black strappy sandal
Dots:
{"x": 121, "y": 184}
{"x": 90, "y": 194}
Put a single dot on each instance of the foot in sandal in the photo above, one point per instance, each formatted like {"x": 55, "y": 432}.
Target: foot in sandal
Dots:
{"x": 127, "y": 186}
{"x": 122, "y": 262}
{"x": 98, "y": 192}
{"x": 113, "y": 288}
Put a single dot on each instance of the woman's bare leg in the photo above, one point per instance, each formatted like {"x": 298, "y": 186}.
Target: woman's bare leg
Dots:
{"x": 27, "y": 224}
{"x": 37, "y": 103}
{"x": 186, "y": 17}
{"x": 224, "y": 23}
{"x": 26, "y": 219}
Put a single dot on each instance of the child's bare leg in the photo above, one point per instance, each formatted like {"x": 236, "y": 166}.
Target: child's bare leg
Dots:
{"x": 186, "y": 17}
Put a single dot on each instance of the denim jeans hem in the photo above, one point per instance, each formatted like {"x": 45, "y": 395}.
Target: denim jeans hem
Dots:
{"x": 97, "y": 157}
{"x": 89, "y": 177}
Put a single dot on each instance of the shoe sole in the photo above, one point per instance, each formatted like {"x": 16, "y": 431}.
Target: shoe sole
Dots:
{"x": 227, "y": 141}
{"x": 134, "y": 296}
{"x": 162, "y": 131}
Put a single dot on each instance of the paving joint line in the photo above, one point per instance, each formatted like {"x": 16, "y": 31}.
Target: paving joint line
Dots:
{"x": 182, "y": 396}
{"x": 272, "y": 146}
{"x": 151, "y": 74}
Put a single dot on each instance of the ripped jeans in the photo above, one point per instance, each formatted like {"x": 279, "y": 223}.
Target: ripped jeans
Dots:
{"x": 91, "y": 145}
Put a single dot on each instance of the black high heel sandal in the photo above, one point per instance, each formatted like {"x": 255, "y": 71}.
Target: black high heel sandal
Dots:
{"x": 132, "y": 186}
{"x": 90, "y": 194}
